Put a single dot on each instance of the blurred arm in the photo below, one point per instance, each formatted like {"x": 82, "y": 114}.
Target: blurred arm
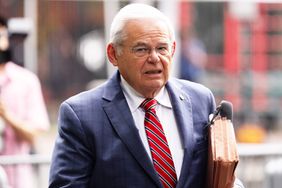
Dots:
{"x": 22, "y": 130}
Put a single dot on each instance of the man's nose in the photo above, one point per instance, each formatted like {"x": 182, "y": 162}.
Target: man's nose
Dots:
{"x": 153, "y": 56}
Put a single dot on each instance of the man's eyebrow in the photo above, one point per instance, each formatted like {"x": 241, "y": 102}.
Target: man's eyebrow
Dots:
{"x": 146, "y": 44}
{"x": 140, "y": 44}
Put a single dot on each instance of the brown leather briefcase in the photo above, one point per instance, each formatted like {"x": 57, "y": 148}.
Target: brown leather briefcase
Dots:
{"x": 223, "y": 155}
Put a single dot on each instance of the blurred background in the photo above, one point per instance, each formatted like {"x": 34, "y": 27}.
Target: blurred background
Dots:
{"x": 232, "y": 47}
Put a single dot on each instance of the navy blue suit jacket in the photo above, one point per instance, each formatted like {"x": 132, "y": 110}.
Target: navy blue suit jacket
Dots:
{"x": 98, "y": 145}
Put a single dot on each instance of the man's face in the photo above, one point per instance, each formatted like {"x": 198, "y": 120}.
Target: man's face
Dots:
{"x": 146, "y": 56}
{"x": 4, "y": 41}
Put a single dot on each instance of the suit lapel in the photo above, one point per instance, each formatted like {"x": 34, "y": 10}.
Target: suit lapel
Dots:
{"x": 118, "y": 112}
{"x": 182, "y": 107}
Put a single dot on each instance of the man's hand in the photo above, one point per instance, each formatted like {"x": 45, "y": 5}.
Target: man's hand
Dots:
{"x": 3, "y": 113}
{"x": 238, "y": 184}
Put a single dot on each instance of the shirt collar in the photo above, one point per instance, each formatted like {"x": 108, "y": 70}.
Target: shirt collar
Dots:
{"x": 134, "y": 99}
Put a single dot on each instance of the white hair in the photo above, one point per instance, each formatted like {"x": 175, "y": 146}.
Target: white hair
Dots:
{"x": 132, "y": 12}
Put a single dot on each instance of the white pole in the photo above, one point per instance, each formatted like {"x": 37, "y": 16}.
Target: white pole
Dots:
{"x": 30, "y": 43}
{"x": 111, "y": 7}
{"x": 171, "y": 10}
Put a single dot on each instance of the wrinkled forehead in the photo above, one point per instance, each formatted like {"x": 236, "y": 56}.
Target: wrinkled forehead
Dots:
{"x": 147, "y": 28}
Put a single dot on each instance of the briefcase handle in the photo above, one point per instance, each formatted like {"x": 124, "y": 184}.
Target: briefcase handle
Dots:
{"x": 223, "y": 110}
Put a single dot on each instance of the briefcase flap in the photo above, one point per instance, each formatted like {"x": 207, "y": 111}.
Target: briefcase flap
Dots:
{"x": 223, "y": 141}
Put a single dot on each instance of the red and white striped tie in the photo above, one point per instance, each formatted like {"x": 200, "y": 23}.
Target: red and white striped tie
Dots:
{"x": 160, "y": 151}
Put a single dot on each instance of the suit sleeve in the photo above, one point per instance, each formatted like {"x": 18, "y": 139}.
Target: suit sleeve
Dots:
{"x": 213, "y": 105}
{"x": 72, "y": 160}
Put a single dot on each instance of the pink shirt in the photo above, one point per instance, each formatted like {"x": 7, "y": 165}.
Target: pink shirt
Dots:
{"x": 21, "y": 94}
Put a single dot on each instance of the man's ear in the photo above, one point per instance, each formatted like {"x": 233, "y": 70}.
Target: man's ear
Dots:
{"x": 112, "y": 54}
{"x": 173, "y": 48}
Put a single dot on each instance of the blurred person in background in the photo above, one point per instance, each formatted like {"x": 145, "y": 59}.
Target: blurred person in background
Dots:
{"x": 104, "y": 141}
{"x": 22, "y": 112}
{"x": 193, "y": 56}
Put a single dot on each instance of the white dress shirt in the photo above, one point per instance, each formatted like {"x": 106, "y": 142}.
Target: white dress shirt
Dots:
{"x": 166, "y": 116}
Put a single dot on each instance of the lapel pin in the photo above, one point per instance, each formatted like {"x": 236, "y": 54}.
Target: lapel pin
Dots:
{"x": 181, "y": 97}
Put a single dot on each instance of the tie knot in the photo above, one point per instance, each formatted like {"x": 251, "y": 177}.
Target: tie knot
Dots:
{"x": 148, "y": 104}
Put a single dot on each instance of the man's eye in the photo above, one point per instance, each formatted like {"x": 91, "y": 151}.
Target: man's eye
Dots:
{"x": 140, "y": 49}
{"x": 162, "y": 48}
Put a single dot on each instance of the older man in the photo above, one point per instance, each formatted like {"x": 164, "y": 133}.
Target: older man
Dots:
{"x": 140, "y": 129}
